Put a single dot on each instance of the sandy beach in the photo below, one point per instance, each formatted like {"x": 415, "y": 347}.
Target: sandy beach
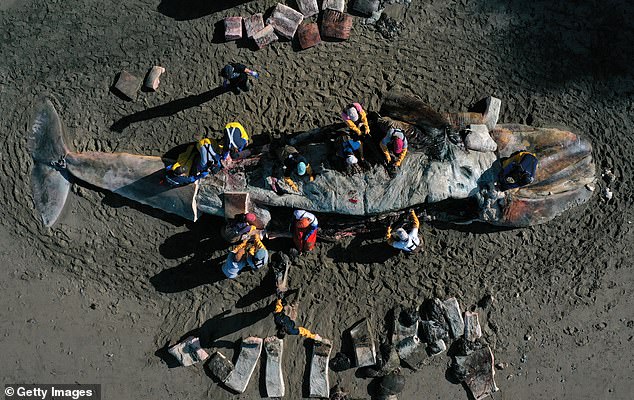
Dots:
{"x": 99, "y": 296}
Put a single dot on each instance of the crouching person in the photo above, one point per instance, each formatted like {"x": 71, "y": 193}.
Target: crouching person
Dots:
{"x": 304, "y": 230}
{"x": 251, "y": 252}
{"x": 402, "y": 240}
{"x": 517, "y": 170}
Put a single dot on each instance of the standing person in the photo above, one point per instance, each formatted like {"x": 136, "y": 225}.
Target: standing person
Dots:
{"x": 304, "y": 230}
{"x": 294, "y": 163}
{"x": 356, "y": 118}
{"x": 236, "y": 77}
{"x": 400, "y": 239}
{"x": 235, "y": 139}
{"x": 394, "y": 142}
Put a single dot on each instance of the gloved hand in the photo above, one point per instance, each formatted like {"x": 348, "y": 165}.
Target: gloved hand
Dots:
{"x": 311, "y": 178}
{"x": 292, "y": 184}
{"x": 317, "y": 338}
{"x": 255, "y": 74}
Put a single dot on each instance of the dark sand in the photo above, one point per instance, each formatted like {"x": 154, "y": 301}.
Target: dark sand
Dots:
{"x": 561, "y": 316}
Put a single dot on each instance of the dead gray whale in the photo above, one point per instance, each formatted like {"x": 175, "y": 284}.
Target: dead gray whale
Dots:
{"x": 436, "y": 170}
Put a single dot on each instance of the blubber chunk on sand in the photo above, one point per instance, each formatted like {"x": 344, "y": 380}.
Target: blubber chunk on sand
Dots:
{"x": 336, "y": 25}
{"x": 308, "y": 35}
{"x": 152, "y": 80}
{"x": 253, "y": 24}
{"x": 239, "y": 378}
{"x": 128, "y": 85}
{"x": 319, "y": 383}
{"x": 285, "y": 20}
{"x": 233, "y": 28}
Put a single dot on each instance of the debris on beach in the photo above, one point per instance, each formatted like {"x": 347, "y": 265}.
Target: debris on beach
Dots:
{"x": 219, "y": 366}
{"x": 319, "y": 385}
{"x": 337, "y": 5}
{"x": 285, "y": 20}
{"x": 366, "y": 7}
{"x": 308, "y": 7}
{"x": 472, "y": 329}
{"x": 188, "y": 352}
{"x": 128, "y": 85}
{"x": 363, "y": 343}
{"x": 239, "y": 378}
{"x": 389, "y": 386}
{"x": 453, "y": 315}
{"x": 274, "y": 348}
{"x": 233, "y": 28}
{"x": 388, "y": 27}
{"x": 336, "y": 25}
{"x": 476, "y": 371}
{"x": 253, "y": 24}
{"x": 152, "y": 80}
{"x": 265, "y": 37}
{"x": 308, "y": 35}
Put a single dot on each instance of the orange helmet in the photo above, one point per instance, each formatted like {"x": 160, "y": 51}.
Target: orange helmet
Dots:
{"x": 303, "y": 223}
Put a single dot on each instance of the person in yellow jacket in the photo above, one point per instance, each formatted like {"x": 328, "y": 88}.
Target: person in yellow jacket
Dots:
{"x": 285, "y": 325}
{"x": 250, "y": 251}
{"x": 235, "y": 139}
{"x": 356, "y": 119}
{"x": 400, "y": 239}
{"x": 396, "y": 143}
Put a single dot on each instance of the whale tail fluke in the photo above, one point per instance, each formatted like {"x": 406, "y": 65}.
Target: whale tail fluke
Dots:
{"x": 49, "y": 179}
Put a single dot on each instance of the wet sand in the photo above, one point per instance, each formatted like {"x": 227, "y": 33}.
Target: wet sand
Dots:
{"x": 96, "y": 298}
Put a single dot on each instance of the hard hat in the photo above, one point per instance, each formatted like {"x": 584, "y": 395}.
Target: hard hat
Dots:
{"x": 401, "y": 234}
{"x": 301, "y": 168}
{"x": 298, "y": 214}
{"x": 352, "y": 113}
{"x": 303, "y": 223}
{"x": 250, "y": 218}
{"x": 398, "y": 145}
{"x": 227, "y": 71}
{"x": 351, "y": 159}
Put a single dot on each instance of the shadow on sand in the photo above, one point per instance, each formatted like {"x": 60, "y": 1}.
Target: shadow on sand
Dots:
{"x": 167, "y": 109}
{"x": 183, "y": 10}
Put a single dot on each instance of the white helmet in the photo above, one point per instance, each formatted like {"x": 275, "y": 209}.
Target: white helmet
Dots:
{"x": 353, "y": 114}
{"x": 401, "y": 234}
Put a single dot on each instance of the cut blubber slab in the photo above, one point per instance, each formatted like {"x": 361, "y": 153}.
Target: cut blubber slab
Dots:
{"x": 239, "y": 378}
{"x": 363, "y": 342}
{"x": 274, "y": 347}
{"x": 319, "y": 384}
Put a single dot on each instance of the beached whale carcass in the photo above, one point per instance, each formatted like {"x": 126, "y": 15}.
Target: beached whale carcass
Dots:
{"x": 440, "y": 168}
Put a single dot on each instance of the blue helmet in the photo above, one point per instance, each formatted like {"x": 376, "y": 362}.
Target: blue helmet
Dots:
{"x": 301, "y": 168}
{"x": 227, "y": 71}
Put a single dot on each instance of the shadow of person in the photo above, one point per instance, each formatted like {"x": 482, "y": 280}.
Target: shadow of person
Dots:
{"x": 194, "y": 272}
{"x": 183, "y": 10}
{"x": 164, "y": 355}
{"x": 201, "y": 239}
{"x": 262, "y": 291}
{"x": 167, "y": 109}
{"x": 363, "y": 253}
{"x": 225, "y": 324}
